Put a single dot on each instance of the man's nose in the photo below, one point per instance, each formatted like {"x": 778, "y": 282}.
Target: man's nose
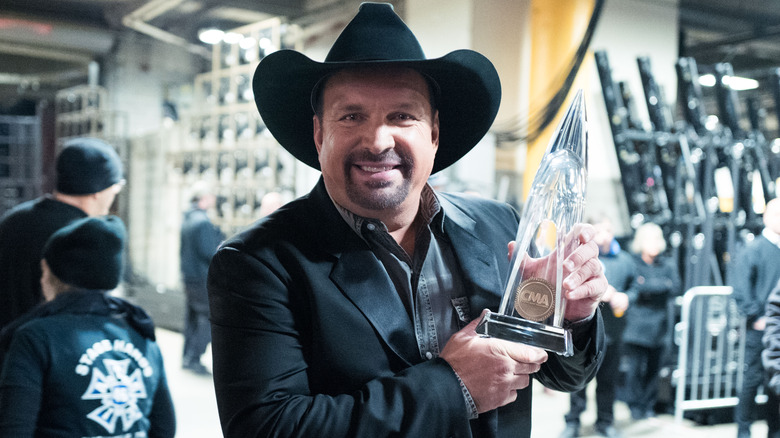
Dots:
{"x": 379, "y": 137}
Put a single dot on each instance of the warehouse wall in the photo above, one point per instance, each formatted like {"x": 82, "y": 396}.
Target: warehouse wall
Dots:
{"x": 141, "y": 72}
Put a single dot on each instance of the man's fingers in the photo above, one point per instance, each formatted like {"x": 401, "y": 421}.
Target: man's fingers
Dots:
{"x": 524, "y": 369}
{"x": 581, "y": 255}
{"x": 592, "y": 268}
{"x": 593, "y": 288}
{"x": 520, "y": 353}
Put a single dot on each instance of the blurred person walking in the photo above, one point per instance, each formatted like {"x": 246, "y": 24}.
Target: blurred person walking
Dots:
{"x": 656, "y": 280}
{"x": 199, "y": 241}
{"x": 771, "y": 354}
{"x": 89, "y": 176}
{"x": 753, "y": 274}
{"x": 619, "y": 269}
{"x": 85, "y": 363}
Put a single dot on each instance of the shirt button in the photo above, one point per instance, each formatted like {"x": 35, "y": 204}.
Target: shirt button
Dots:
{"x": 371, "y": 227}
{"x": 428, "y": 355}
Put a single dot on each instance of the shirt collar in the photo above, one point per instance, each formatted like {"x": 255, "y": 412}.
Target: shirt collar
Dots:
{"x": 771, "y": 236}
{"x": 429, "y": 209}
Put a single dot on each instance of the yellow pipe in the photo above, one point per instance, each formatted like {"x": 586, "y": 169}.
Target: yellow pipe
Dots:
{"x": 557, "y": 28}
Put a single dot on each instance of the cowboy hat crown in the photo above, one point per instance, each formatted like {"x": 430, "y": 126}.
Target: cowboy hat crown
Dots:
{"x": 469, "y": 90}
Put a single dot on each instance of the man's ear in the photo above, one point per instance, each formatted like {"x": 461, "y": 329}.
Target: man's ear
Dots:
{"x": 317, "y": 128}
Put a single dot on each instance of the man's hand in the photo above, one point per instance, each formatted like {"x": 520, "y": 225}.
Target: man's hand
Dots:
{"x": 619, "y": 302}
{"x": 584, "y": 282}
{"x": 492, "y": 369}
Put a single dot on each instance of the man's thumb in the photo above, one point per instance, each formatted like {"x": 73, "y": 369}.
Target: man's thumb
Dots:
{"x": 472, "y": 326}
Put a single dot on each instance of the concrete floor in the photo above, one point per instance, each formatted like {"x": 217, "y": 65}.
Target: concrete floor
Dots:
{"x": 550, "y": 407}
{"x": 196, "y": 407}
{"x": 193, "y": 395}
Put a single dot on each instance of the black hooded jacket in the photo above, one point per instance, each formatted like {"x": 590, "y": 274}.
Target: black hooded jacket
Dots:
{"x": 83, "y": 364}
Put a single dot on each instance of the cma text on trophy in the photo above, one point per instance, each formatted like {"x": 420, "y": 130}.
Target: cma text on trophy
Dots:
{"x": 533, "y": 305}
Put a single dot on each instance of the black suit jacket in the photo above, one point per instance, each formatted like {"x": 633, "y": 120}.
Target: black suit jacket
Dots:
{"x": 310, "y": 337}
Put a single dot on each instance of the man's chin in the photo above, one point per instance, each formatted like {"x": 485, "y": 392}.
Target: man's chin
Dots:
{"x": 378, "y": 199}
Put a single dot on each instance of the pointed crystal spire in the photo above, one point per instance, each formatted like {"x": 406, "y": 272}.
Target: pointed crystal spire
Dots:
{"x": 572, "y": 132}
{"x": 533, "y": 306}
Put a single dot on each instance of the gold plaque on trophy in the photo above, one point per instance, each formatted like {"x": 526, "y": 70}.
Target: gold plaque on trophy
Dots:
{"x": 535, "y": 299}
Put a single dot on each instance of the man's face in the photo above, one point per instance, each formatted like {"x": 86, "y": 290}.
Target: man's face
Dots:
{"x": 105, "y": 198}
{"x": 772, "y": 215}
{"x": 207, "y": 201}
{"x": 604, "y": 235}
{"x": 653, "y": 243}
{"x": 48, "y": 282}
{"x": 377, "y": 139}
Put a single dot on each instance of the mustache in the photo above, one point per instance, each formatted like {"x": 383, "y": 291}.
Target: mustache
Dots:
{"x": 391, "y": 155}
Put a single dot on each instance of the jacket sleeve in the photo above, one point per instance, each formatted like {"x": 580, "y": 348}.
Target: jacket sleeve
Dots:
{"x": 209, "y": 238}
{"x": 771, "y": 353}
{"x": 742, "y": 278}
{"x": 262, "y": 372}
{"x": 571, "y": 374}
{"x": 162, "y": 418}
{"x": 21, "y": 386}
{"x": 663, "y": 282}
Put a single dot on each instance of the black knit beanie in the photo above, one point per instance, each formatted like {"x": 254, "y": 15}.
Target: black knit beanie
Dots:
{"x": 87, "y": 253}
{"x": 86, "y": 166}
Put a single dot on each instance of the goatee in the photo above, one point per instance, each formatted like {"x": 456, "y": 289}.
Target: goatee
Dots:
{"x": 379, "y": 195}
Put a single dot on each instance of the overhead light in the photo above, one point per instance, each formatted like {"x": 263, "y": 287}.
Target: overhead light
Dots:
{"x": 247, "y": 43}
{"x": 265, "y": 43}
{"x": 232, "y": 37}
{"x": 737, "y": 83}
{"x": 707, "y": 80}
{"x": 210, "y": 36}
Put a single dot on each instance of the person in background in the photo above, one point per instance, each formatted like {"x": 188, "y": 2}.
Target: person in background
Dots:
{"x": 270, "y": 202}
{"x": 199, "y": 241}
{"x": 89, "y": 176}
{"x": 656, "y": 280}
{"x": 84, "y": 363}
{"x": 619, "y": 270}
{"x": 351, "y": 311}
{"x": 753, "y": 273}
{"x": 771, "y": 353}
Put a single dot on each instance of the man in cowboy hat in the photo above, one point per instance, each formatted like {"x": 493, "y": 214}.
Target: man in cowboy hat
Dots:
{"x": 351, "y": 311}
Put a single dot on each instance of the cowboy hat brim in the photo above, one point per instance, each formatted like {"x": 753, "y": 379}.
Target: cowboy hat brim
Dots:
{"x": 468, "y": 100}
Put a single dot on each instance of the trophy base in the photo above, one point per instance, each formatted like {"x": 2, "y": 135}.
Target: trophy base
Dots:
{"x": 550, "y": 338}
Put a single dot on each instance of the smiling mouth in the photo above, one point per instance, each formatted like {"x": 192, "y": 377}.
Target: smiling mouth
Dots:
{"x": 376, "y": 169}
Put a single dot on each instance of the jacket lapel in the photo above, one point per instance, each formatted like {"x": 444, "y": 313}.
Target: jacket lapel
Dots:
{"x": 477, "y": 259}
{"x": 364, "y": 281}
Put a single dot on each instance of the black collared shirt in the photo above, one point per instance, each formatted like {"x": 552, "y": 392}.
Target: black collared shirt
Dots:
{"x": 429, "y": 281}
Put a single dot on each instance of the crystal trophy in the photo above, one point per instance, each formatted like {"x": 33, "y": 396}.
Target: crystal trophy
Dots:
{"x": 533, "y": 305}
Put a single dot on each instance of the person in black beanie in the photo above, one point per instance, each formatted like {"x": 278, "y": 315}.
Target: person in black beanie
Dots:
{"x": 89, "y": 176}
{"x": 84, "y": 363}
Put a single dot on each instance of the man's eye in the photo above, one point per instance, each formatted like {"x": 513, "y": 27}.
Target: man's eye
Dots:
{"x": 405, "y": 117}
{"x": 349, "y": 117}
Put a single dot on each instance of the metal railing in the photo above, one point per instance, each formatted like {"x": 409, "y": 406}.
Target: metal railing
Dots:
{"x": 711, "y": 341}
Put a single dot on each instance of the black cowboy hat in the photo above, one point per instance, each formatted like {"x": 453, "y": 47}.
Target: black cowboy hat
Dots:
{"x": 468, "y": 84}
